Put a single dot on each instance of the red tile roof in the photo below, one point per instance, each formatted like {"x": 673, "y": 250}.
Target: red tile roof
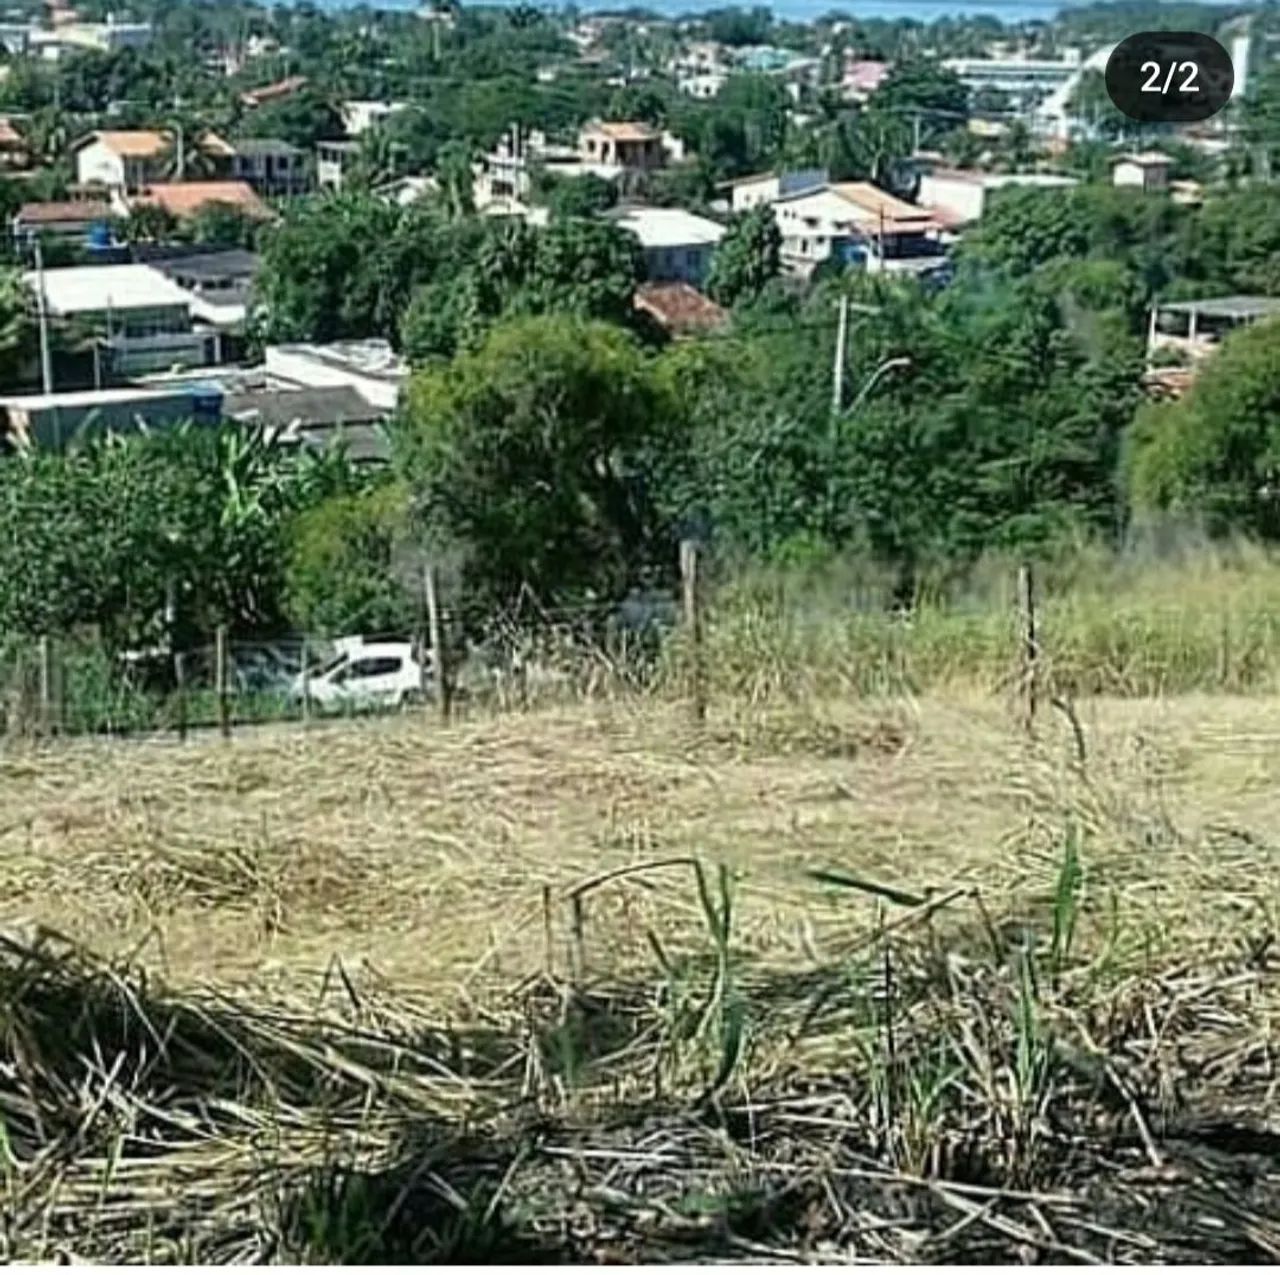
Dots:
{"x": 46, "y": 213}
{"x": 680, "y": 307}
{"x": 185, "y": 199}
{"x": 272, "y": 92}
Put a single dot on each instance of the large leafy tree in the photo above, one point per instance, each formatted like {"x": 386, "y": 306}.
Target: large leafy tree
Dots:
{"x": 1214, "y": 457}
{"x": 530, "y": 454}
{"x": 746, "y": 259}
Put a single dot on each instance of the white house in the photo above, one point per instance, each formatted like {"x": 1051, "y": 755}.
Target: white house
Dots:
{"x": 360, "y": 116}
{"x": 961, "y": 194}
{"x": 1148, "y": 170}
{"x": 333, "y": 162}
{"x": 677, "y": 245}
{"x": 123, "y": 160}
{"x": 765, "y": 188}
{"x": 858, "y": 224}
{"x": 371, "y": 368}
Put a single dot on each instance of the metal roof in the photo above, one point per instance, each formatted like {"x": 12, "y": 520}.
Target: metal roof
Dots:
{"x": 1227, "y": 307}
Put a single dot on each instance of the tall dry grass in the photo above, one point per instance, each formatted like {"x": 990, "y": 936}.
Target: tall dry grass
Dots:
{"x": 1133, "y": 626}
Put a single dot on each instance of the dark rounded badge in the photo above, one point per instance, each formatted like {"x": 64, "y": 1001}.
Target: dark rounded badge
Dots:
{"x": 1173, "y": 77}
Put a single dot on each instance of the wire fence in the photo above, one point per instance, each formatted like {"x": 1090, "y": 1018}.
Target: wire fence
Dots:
{"x": 76, "y": 685}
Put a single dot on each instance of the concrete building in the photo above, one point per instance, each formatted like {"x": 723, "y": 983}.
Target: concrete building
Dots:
{"x": 269, "y": 165}
{"x": 1148, "y": 170}
{"x": 371, "y": 368}
{"x": 857, "y": 224}
{"x": 765, "y": 188}
{"x": 218, "y": 285}
{"x": 1194, "y": 329}
{"x": 360, "y": 116}
{"x": 124, "y": 160}
{"x": 52, "y": 421}
{"x": 860, "y": 78}
{"x": 333, "y": 162}
{"x": 106, "y": 37}
{"x": 961, "y": 195}
{"x": 505, "y": 174}
{"x": 73, "y": 220}
{"x": 135, "y": 318}
{"x": 677, "y": 245}
{"x": 627, "y": 146}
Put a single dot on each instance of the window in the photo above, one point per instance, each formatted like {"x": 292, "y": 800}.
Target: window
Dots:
{"x": 377, "y": 666}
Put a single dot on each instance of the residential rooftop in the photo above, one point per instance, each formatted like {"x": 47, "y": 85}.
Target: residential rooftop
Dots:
{"x": 1239, "y": 307}
{"x": 97, "y": 289}
{"x": 666, "y": 227}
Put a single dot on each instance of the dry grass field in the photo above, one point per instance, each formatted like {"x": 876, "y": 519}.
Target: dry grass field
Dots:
{"x": 865, "y": 979}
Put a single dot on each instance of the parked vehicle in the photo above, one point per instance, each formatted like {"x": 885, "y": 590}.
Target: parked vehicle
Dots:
{"x": 366, "y": 675}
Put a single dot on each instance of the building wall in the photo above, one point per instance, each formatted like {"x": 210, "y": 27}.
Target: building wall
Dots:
{"x": 1144, "y": 176}
{"x": 96, "y": 162}
{"x": 955, "y": 195}
{"x": 747, "y": 195}
{"x": 688, "y": 263}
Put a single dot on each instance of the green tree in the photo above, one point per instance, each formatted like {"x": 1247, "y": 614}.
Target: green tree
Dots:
{"x": 529, "y": 455}
{"x": 16, "y": 329}
{"x": 149, "y": 223}
{"x": 746, "y": 259}
{"x": 341, "y": 574}
{"x": 223, "y": 225}
{"x": 580, "y": 196}
{"x": 1214, "y": 456}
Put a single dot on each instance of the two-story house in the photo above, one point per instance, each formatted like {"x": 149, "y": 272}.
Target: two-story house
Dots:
{"x": 123, "y": 160}
{"x": 268, "y": 164}
{"x": 677, "y": 245}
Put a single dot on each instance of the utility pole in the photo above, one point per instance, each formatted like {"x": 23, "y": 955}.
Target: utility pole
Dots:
{"x": 46, "y": 360}
{"x": 837, "y": 370}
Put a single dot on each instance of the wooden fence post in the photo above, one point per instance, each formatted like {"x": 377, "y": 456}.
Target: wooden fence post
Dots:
{"x": 305, "y": 658}
{"x": 45, "y": 717}
{"x": 1030, "y": 646}
{"x": 220, "y": 680}
{"x": 180, "y": 684}
{"x": 693, "y": 624}
{"x": 434, "y": 634}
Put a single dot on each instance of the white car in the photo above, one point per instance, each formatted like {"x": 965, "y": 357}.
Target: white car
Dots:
{"x": 371, "y": 674}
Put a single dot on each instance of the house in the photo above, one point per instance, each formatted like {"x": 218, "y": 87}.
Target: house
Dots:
{"x": 1194, "y": 329}
{"x": 105, "y": 37}
{"x": 136, "y": 319}
{"x": 123, "y": 160}
{"x": 505, "y": 174}
{"x": 858, "y": 224}
{"x": 680, "y": 308}
{"x": 623, "y": 146}
{"x": 861, "y": 77}
{"x": 73, "y": 220}
{"x": 316, "y": 419}
{"x": 13, "y": 146}
{"x": 51, "y": 421}
{"x": 677, "y": 245}
{"x": 960, "y": 195}
{"x": 404, "y": 191}
{"x": 267, "y": 164}
{"x": 702, "y": 85}
{"x": 764, "y": 188}
{"x": 218, "y": 285}
{"x": 253, "y": 98}
{"x": 183, "y": 200}
{"x": 371, "y": 368}
{"x": 360, "y": 116}
{"x": 333, "y": 162}
{"x": 1147, "y": 170}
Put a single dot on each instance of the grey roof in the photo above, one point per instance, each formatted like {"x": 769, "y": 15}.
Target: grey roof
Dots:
{"x": 316, "y": 418}
{"x": 1228, "y": 307}
{"x": 236, "y": 263}
{"x": 264, "y": 146}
